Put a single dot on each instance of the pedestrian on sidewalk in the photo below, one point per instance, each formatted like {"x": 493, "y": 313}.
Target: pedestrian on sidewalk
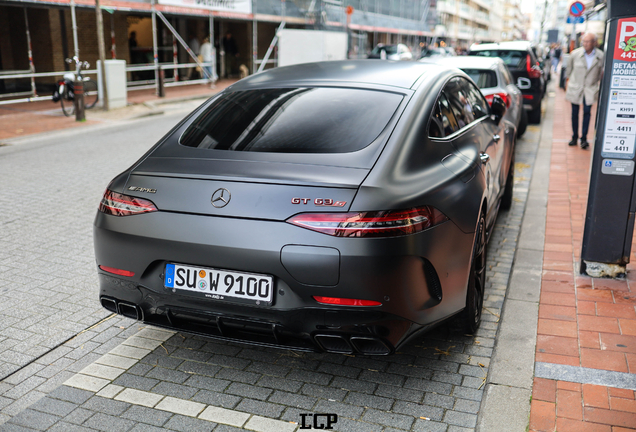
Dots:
{"x": 584, "y": 72}
{"x": 206, "y": 54}
{"x": 194, "y": 45}
{"x": 231, "y": 54}
{"x": 555, "y": 55}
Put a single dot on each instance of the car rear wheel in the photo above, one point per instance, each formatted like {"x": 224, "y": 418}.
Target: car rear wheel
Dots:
{"x": 523, "y": 123}
{"x": 471, "y": 316}
{"x": 506, "y": 199}
{"x": 535, "y": 115}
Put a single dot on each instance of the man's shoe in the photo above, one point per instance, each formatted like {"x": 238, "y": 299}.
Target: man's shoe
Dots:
{"x": 584, "y": 144}
{"x": 573, "y": 142}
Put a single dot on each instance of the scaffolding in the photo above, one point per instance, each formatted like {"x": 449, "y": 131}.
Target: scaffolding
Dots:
{"x": 372, "y": 21}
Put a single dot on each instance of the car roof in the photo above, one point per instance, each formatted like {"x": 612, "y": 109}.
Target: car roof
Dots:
{"x": 476, "y": 62}
{"x": 403, "y": 74}
{"x": 511, "y": 45}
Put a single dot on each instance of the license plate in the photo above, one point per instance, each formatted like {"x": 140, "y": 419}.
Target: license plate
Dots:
{"x": 221, "y": 284}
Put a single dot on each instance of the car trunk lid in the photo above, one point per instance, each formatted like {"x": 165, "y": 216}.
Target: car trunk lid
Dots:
{"x": 250, "y": 189}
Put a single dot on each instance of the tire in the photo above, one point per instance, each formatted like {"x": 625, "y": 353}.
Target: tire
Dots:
{"x": 90, "y": 99}
{"x": 471, "y": 315}
{"x": 67, "y": 102}
{"x": 523, "y": 123}
{"x": 506, "y": 198}
{"x": 534, "y": 116}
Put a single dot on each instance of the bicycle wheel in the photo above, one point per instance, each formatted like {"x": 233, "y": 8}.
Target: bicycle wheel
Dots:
{"x": 68, "y": 105}
{"x": 90, "y": 94}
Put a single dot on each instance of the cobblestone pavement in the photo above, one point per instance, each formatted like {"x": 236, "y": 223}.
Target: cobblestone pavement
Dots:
{"x": 52, "y": 326}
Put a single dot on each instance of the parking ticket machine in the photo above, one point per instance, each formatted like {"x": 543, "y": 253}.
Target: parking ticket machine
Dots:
{"x": 611, "y": 206}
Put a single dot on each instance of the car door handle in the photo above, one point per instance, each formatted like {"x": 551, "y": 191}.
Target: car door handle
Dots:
{"x": 484, "y": 158}
{"x": 496, "y": 137}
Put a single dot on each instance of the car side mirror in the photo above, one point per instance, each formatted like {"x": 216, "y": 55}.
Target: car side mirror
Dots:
{"x": 498, "y": 108}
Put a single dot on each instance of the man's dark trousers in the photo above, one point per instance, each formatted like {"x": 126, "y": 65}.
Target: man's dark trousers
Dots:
{"x": 587, "y": 109}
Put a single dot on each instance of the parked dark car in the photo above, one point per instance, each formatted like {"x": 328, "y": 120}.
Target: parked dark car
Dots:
{"x": 525, "y": 68}
{"x": 336, "y": 206}
{"x": 493, "y": 78}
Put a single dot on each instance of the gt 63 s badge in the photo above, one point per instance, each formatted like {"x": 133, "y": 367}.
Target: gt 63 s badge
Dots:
{"x": 325, "y": 202}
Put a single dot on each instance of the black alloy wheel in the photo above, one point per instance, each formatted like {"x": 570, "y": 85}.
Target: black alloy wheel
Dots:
{"x": 523, "y": 123}
{"x": 534, "y": 116}
{"x": 471, "y": 317}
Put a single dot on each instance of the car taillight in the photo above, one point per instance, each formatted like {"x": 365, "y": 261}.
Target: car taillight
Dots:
{"x": 117, "y": 204}
{"x": 345, "y": 301}
{"x": 117, "y": 271}
{"x": 534, "y": 71}
{"x": 371, "y": 224}
{"x": 505, "y": 96}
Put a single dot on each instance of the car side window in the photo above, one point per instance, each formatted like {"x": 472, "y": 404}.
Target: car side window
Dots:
{"x": 475, "y": 99}
{"x": 435, "y": 124}
{"x": 459, "y": 103}
{"x": 442, "y": 122}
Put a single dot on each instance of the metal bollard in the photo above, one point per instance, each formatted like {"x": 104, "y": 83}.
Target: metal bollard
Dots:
{"x": 162, "y": 89}
{"x": 78, "y": 93}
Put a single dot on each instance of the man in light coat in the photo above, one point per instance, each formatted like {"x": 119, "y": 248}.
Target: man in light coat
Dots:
{"x": 584, "y": 73}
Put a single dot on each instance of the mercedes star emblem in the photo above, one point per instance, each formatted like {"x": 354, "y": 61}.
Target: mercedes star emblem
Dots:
{"x": 221, "y": 197}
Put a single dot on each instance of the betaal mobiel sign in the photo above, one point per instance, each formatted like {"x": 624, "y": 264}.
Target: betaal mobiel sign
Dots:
{"x": 626, "y": 40}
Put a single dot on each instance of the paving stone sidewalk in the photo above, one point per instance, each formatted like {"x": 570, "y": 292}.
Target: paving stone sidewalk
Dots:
{"x": 586, "y": 344}
{"x": 434, "y": 384}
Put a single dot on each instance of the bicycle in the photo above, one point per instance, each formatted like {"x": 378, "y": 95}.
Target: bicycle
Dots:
{"x": 65, "y": 90}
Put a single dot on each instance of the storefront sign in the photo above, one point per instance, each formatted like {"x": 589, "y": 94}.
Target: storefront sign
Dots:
{"x": 619, "y": 140}
{"x": 238, "y": 6}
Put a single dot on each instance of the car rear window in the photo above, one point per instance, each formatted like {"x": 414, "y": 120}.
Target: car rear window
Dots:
{"x": 512, "y": 59}
{"x": 293, "y": 120}
{"x": 483, "y": 78}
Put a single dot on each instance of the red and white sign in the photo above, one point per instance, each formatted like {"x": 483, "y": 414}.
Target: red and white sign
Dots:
{"x": 625, "y": 48}
{"x": 237, "y": 6}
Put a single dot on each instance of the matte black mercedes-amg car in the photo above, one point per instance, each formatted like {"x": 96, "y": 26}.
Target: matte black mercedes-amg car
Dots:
{"x": 336, "y": 206}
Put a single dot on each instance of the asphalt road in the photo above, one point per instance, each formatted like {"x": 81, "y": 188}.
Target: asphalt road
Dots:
{"x": 52, "y": 326}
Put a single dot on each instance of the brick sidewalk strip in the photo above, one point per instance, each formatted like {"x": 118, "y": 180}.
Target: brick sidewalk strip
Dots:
{"x": 586, "y": 342}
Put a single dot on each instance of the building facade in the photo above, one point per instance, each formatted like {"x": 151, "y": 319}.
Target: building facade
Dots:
{"x": 128, "y": 32}
{"x": 464, "y": 22}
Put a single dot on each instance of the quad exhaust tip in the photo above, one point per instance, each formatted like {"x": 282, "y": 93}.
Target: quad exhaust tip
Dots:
{"x": 109, "y": 304}
{"x": 342, "y": 344}
{"x": 128, "y": 310}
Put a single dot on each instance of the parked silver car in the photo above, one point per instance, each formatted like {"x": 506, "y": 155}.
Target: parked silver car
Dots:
{"x": 493, "y": 78}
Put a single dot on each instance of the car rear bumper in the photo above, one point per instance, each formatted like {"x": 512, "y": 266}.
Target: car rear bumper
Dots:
{"x": 419, "y": 280}
{"x": 532, "y": 104}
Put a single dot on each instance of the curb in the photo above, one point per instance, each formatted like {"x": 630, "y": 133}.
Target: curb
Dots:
{"x": 508, "y": 390}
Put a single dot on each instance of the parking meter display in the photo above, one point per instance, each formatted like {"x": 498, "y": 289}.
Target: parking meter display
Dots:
{"x": 620, "y": 126}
